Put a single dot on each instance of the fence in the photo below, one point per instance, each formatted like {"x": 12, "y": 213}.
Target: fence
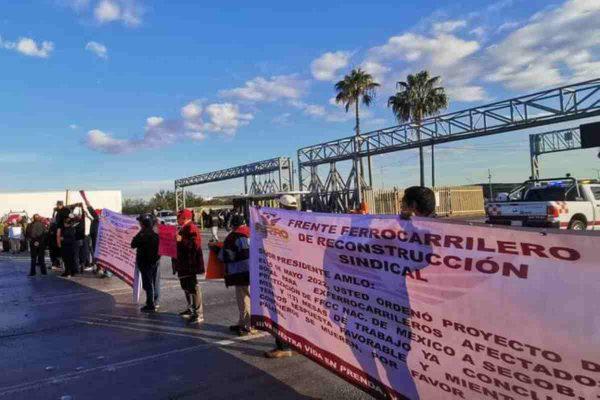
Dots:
{"x": 450, "y": 201}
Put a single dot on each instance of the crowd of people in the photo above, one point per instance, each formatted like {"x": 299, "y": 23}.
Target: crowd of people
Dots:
{"x": 64, "y": 236}
{"x": 234, "y": 253}
{"x": 69, "y": 245}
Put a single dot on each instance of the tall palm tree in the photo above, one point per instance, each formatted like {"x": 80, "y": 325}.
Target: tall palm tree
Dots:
{"x": 417, "y": 98}
{"x": 356, "y": 87}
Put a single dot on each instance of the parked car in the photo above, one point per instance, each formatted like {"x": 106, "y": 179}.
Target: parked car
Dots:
{"x": 563, "y": 203}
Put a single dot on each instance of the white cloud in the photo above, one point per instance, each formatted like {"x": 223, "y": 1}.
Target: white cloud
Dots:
{"x": 223, "y": 118}
{"x": 327, "y": 66}
{"x": 98, "y": 49}
{"x": 107, "y": 11}
{"x": 544, "y": 52}
{"x": 74, "y": 126}
{"x": 129, "y": 12}
{"x": 106, "y": 143}
{"x": 448, "y": 26}
{"x": 466, "y": 93}
{"x": 192, "y": 110}
{"x": 377, "y": 70}
{"x": 29, "y": 47}
{"x": 442, "y": 50}
{"x": 261, "y": 89}
{"x": 507, "y": 26}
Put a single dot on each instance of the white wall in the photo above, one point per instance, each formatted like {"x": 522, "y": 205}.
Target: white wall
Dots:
{"x": 44, "y": 202}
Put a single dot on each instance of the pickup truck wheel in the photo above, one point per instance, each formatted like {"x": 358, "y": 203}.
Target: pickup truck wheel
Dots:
{"x": 577, "y": 225}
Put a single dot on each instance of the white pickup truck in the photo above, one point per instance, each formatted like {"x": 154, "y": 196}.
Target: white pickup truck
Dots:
{"x": 564, "y": 203}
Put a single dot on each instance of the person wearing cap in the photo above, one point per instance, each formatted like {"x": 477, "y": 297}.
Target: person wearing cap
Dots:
{"x": 189, "y": 264}
{"x": 235, "y": 254}
{"x": 67, "y": 242}
{"x": 37, "y": 234}
{"x": 147, "y": 260}
{"x": 282, "y": 349}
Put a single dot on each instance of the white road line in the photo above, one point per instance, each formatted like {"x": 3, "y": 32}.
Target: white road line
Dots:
{"x": 8, "y": 390}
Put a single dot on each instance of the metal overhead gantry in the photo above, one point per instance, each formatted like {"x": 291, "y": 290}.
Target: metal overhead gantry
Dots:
{"x": 260, "y": 173}
{"x": 552, "y": 142}
{"x": 576, "y": 101}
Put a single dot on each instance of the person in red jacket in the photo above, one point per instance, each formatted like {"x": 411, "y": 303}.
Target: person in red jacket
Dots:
{"x": 189, "y": 264}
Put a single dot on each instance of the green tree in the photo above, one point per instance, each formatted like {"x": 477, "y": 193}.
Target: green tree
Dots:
{"x": 134, "y": 206}
{"x": 356, "y": 87}
{"x": 417, "y": 98}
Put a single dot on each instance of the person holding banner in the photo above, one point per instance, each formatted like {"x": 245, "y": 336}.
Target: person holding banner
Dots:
{"x": 189, "y": 264}
{"x": 147, "y": 260}
{"x": 235, "y": 253}
{"x": 282, "y": 349}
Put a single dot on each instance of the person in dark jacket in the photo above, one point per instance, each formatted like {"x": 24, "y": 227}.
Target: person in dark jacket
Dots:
{"x": 37, "y": 235}
{"x": 147, "y": 260}
{"x": 189, "y": 264}
{"x": 235, "y": 253}
{"x": 52, "y": 245}
{"x": 67, "y": 241}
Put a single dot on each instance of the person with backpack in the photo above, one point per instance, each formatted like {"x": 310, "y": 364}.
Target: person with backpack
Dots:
{"x": 189, "y": 264}
{"x": 235, "y": 254}
{"x": 147, "y": 260}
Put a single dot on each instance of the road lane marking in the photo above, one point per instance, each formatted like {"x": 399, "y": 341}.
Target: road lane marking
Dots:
{"x": 9, "y": 390}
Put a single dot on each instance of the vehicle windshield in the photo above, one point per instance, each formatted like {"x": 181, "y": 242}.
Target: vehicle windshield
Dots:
{"x": 550, "y": 191}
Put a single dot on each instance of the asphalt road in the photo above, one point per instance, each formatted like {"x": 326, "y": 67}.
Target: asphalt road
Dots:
{"x": 83, "y": 338}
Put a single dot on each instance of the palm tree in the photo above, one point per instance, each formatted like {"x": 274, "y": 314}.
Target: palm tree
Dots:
{"x": 356, "y": 87}
{"x": 417, "y": 98}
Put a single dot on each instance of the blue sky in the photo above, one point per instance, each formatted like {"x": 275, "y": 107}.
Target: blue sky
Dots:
{"x": 131, "y": 94}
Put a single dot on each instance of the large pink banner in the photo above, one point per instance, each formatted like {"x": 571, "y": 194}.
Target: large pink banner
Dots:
{"x": 427, "y": 309}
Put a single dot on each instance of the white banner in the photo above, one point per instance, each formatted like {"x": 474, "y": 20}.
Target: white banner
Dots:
{"x": 113, "y": 249}
{"x": 427, "y": 309}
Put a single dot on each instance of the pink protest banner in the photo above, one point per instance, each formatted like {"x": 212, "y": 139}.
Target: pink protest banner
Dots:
{"x": 167, "y": 244}
{"x": 430, "y": 309}
{"x": 113, "y": 250}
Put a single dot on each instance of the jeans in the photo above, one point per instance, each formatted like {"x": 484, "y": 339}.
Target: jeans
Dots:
{"x": 37, "y": 257}
{"x": 15, "y": 245}
{"x": 151, "y": 283}
{"x": 214, "y": 231}
{"x": 242, "y": 295}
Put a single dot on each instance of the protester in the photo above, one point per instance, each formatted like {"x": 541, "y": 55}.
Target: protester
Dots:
{"x": 235, "y": 253}
{"x": 147, "y": 261}
{"x": 214, "y": 226}
{"x": 67, "y": 242}
{"x": 15, "y": 233}
{"x": 418, "y": 201}
{"x": 23, "y": 222}
{"x": 4, "y": 233}
{"x": 189, "y": 264}
{"x": 37, "y": 234}
{"x": 282, "y": 349}
{"x": 53, "y": 248}
{"x": 82, "y": 252}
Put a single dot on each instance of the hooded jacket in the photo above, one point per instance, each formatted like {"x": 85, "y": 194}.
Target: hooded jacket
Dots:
{"x": 189, "y": 252}
{"x": 236, "y": 256}
{"x": 146, "y": 245}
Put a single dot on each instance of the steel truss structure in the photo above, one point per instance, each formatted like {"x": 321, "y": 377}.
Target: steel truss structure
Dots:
{"x": 267, "y": 176}
{"x": 552, "y": 142}
{"x": 576, "y": 101}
